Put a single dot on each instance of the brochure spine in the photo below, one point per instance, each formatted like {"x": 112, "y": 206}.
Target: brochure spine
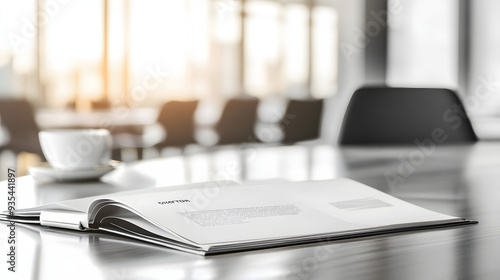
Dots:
{"x": 63, "y": 219}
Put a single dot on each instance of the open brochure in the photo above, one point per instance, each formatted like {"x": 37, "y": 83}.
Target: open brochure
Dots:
{"x": 205, "y": 218}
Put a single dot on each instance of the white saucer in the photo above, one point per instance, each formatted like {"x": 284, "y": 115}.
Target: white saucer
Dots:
{"x": 47, "y": 172}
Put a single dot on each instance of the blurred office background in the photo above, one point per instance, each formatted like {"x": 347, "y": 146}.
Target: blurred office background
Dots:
{"x": 118, "y": 63}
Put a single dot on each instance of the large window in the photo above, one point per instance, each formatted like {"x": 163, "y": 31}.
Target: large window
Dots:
{"x": 18, "y": 53}
{"x": 423, "y": 44}
{"x": 277, "y": 57}
{"x": 142, "y": 52}
{"x": 72, "y": 54}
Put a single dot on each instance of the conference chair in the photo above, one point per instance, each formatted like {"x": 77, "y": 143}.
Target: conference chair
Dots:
{"x": 18, "y": 117}
{"x": 302, "y": 120}
{"x": 237, "y": 122}
{"x": 177, "y": 118}
{"x": 399, "y": 116}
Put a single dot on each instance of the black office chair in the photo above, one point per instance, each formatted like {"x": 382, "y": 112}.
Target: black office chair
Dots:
{"x": 18, "y": 117}
{"x": 302, "y": 120}
{"x": 177, "y": 118}
{"x": 237, "y": 122}
{"x": 392, "y": 116}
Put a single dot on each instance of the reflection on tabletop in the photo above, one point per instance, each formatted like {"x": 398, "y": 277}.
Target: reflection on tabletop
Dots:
{"x": 397, "y": 171}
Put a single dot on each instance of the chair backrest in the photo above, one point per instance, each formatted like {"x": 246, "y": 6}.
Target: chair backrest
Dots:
{"x": 177, "y": 118}
{"x": 302, "y": 120}
{"x": 237, "y": 122}
{"x": 18, "y": 116}
{"x": 388, "y": 116}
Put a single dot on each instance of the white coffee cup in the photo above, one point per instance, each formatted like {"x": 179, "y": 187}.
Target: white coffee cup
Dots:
{"x": 76, "y": 149}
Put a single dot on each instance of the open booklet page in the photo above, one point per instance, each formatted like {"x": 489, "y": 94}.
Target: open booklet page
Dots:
{"x": 246, "y": 213}
{"x": 205, "y": 216}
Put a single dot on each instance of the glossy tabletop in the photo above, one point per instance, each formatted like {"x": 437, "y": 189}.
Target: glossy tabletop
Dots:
{"x": 460, "y": 180}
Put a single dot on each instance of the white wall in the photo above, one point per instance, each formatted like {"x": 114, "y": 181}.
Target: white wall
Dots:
{"x": 483, "y": 96}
